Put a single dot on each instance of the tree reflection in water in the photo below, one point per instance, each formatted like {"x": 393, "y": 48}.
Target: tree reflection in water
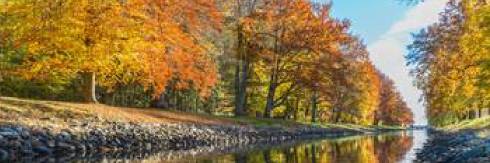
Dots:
{"x": 364, "y": 149}
{"x": 385, "y": 148}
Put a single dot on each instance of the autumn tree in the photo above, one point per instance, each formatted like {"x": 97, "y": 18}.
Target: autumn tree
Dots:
{"x": 243, "y": 55}
{"x": 120, "y": 42}
{"x": 289, "y": 35}
{"x": 361, "y": 97}
{"x": 175, "y": 48}
{"x": 60, "y": 39}
{"x": 392, "y": 109}
{"x": 354, "y": 93}
{"x": 475, "y": 50}
{"x": 448, "y": 67}
{"x": 274, "y": 58}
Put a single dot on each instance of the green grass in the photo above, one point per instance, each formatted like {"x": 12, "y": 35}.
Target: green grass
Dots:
{"x": 263, "y": 122}
{"x": 260, "y": 122}
{"x": 363, "y": 128}
{"x": 473, "y": 124}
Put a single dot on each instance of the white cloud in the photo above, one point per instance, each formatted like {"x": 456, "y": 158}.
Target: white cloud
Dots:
{"x": 420, "y": 16}
{"x": 388, "y": 52}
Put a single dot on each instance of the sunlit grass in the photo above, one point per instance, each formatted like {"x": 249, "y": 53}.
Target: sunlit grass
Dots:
{"x": 263, "y": 121}
{"x": 480, "y": 123}
{"x": 363, "y": 128}
{"x": 33, "y": 112}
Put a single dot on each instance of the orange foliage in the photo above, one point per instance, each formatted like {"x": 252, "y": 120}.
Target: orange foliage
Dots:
{"x": 175, "y": 52}
{"x": 392, "y": 109}
{"x": 155, "y": 43}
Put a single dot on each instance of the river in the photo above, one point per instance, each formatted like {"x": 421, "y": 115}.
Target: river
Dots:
{"x": 382, "y": 148}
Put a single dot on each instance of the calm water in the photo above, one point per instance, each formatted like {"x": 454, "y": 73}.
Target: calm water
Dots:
{"x": 385, "y": 148}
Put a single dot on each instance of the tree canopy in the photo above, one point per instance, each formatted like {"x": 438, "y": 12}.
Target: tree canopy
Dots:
{"x": 285, "y": 59}
{"x": 450, "y": 58}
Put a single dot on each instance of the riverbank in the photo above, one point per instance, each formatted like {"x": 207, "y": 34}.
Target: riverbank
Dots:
{"x": 35, "y": 129}
{"x": 468, "y": 141}
{"x": 18, "y": 141}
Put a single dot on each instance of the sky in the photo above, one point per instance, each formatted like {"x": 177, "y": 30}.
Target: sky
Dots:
{"x": 386, "y": 27}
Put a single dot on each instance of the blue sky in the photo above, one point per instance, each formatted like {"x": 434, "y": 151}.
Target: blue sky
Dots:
{"x": 371, "y": 18}
{"x": 385, "y": 26}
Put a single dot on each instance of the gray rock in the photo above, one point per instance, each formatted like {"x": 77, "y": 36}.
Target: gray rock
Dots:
{"x": 65, "y": 146}
{"x": 25, "y": 134}
{"x": 42, "y": 150}
{"x": 474, "y": 153}
{"x": 81, "y": 147}
{"x": 3, "y": 143}
{"x": 148, "y": 146}
{"x": 6, "y": 129}
{"x": 19, "y": 129}
{"x": 4, "y": 155}
{"x": 115, "y": 136}
{"x": 9, "y": 134}
{"x": 27, "y": 152}
{"x": 38, "y": 132}
{"x": 37, "y": 143}
{"x": 14, "y": 144}
{"x": 51, "y": 143}
{"x": 63, "y": 136}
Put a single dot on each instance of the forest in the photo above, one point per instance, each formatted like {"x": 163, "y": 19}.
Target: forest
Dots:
{"x": 451, "y": 61}
{"x": 286, "y": 59}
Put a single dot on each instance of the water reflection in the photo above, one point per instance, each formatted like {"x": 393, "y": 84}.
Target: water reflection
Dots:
{"x": 419, "y": 139}
{"x": 386, "y": 148}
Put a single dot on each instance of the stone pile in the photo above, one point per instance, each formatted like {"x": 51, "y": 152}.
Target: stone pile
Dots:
{"x": 117, "y": 137}
{"x": 457, "y": 147}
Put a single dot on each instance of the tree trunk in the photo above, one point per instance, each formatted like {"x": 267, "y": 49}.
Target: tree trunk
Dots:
{"x": 270, "y": 100}
{"x": 241, "y": 79}
{"x": 241, "y": 74}
{"x": 178, "y": 100}
{"x": 237, "y": 89}
{"x": 337, "y": 115}
{"x": 88, "y": 87}
{"x": 471, "y": 114}
{"x": 161, "y": 102}
{"x": 243, "y": 88}
{"x": 272, "y": 89}
{"x": 296, "y": 109}
{"x": 314, "y": 102}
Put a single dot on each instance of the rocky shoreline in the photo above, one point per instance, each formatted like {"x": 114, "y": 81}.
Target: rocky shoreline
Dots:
{"x": 121, "y": 139}
{"x": 457, "y": 147}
